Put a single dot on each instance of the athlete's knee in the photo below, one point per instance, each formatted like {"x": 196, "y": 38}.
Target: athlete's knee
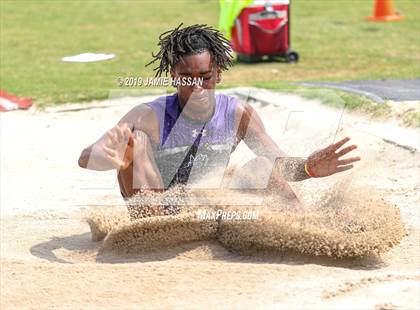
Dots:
{"x": 146, "y": 173}
{"x": 263, "y": 162}
{"x": 254, "y": 174}
{"x": 142, "y": 142}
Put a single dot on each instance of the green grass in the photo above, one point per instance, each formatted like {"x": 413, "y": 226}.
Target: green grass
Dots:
{"x": 341, "y": 99}
{"x": 334, "y": 42}
{"x": 348, "y": 101}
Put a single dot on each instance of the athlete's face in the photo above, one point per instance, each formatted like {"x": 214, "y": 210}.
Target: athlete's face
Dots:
{"x": 197, "y": 101}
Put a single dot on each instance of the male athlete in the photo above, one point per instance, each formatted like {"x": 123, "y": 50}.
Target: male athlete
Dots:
{"x": 184, "y": 137}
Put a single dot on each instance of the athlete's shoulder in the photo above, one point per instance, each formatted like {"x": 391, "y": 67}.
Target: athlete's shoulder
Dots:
{"x": 139, "y": 112}
{"x": 150, "y": 108}
{"x": 143, "y": 117}
{"x": 231, "y": 99}
{"x": 243, "y": 107}
{"x": 228, "y": 103}
{"x": 162, "y": 100}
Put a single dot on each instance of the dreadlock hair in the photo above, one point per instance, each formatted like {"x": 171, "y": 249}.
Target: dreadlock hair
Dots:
{"x": 179, "y": 42}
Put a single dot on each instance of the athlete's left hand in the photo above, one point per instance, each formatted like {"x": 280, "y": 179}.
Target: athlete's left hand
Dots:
{"x": 327, "y": 161}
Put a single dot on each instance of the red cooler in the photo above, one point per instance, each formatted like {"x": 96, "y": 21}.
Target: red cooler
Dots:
{"x": 263, "y": 29}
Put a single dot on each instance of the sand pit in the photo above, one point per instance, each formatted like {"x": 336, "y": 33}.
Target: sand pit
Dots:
{"x": 347, "y": 229}
{"x": 160, "y": 232}
{"x": 345, "y": 223}
{"x": 49, "y": 261}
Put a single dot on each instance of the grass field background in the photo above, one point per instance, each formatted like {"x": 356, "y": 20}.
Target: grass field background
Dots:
{"x": 334, "y": 41}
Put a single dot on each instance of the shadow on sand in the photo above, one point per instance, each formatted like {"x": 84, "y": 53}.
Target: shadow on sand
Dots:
{"x": 80, "y": 248}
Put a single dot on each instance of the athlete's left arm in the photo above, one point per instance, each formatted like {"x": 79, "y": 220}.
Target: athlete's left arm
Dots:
{"x": 251, "y": 130}
{"x": 325, "y": 162}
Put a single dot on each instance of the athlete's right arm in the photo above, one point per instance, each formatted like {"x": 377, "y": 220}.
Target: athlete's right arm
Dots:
{"x": 114, "y": 150}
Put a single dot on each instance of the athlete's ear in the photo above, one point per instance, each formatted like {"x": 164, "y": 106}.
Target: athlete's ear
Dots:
{"x": 218, "y": 75}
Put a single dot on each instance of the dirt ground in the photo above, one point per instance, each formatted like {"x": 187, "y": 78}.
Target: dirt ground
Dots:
{"x": 48, "y": 260}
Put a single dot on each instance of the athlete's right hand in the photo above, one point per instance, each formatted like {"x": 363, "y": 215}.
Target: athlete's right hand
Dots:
{"x": 119, "y": 146}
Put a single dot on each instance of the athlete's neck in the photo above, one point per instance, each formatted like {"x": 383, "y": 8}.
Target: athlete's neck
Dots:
{"x": 197, "y": 115}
